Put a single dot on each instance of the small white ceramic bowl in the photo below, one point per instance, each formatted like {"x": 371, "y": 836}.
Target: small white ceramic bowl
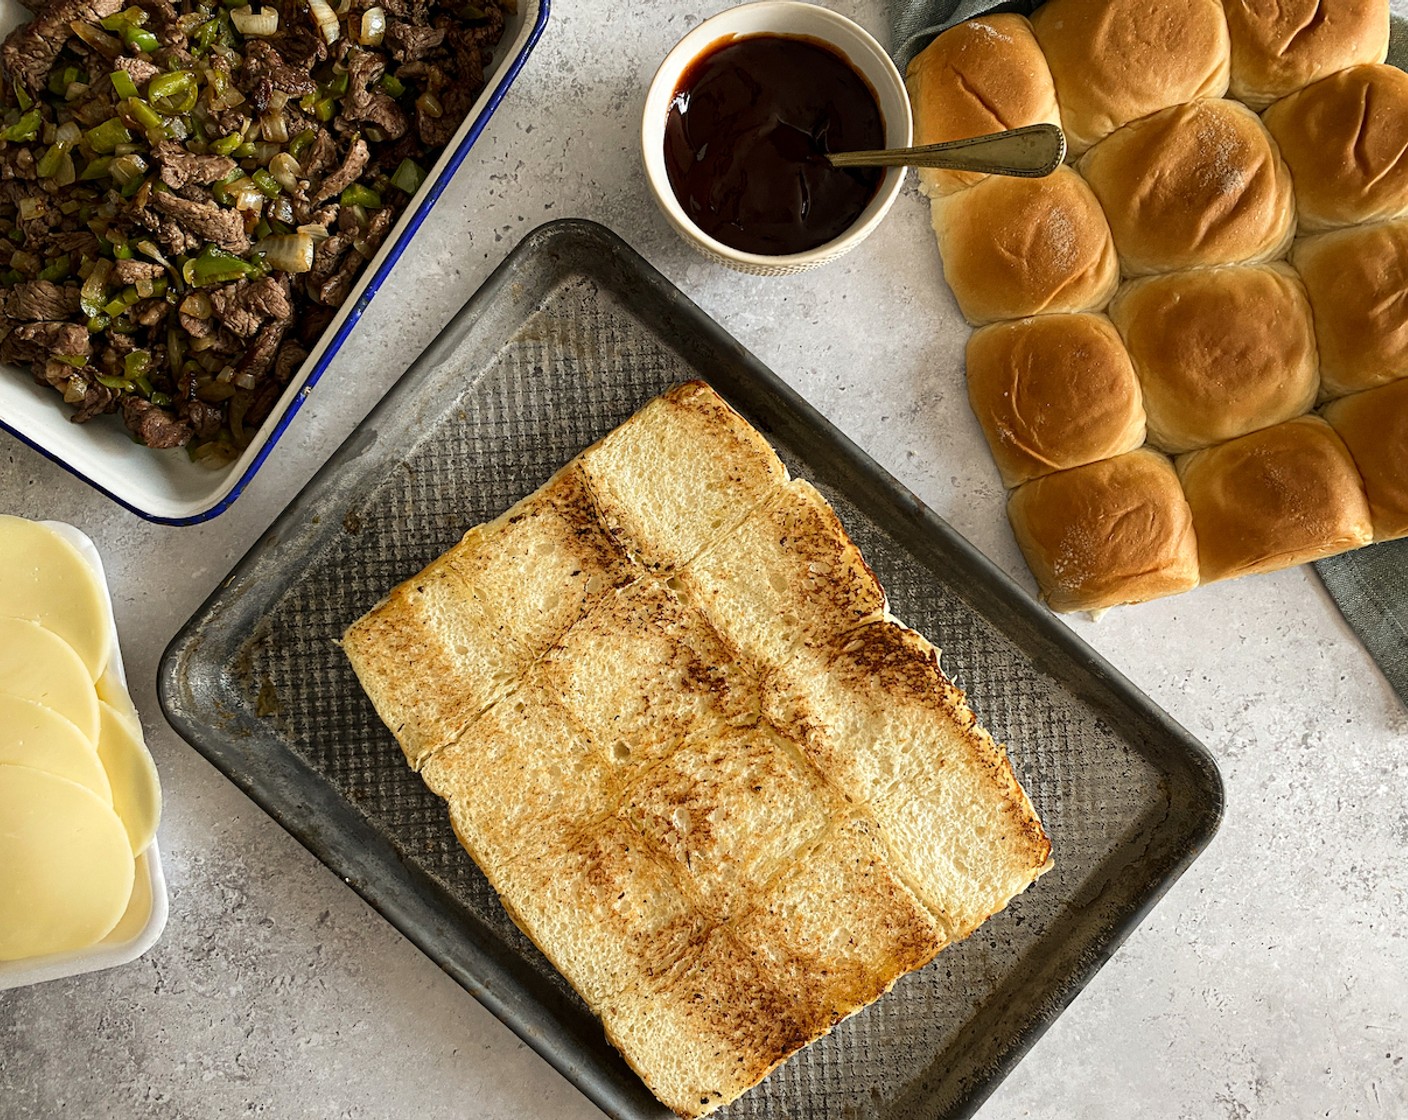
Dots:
{"x": 777, "y": 17}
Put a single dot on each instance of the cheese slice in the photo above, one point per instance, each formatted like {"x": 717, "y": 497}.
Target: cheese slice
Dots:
{"x": 66, "y": 869}
{"x": 48, "y": 581}
{"x": 112, "y": 690}
{"x": 36, "y": 664}
{"x": 136, "y": 793}
{"x": 33, "y": 735}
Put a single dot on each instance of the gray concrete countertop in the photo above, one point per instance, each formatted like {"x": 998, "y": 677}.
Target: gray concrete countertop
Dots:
{"x": 1271, "y": 981}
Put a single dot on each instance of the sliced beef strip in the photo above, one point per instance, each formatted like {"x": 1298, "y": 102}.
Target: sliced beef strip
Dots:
{"x": 352, "y": 166}
{"x": 410, "y": 42}
{"x": 363, "y": 103}
{"x": 97, "y": 399}
{"x": 204, "y": 418}
{"x": 179, "y": 166}
{"x": 154, "y": 426}
{"x": 195, "y": 326}
{"x": 259, "y": 355}
{"x": 245, "y": 305}
{"x": 139, "y": 69}
{"x": 29, "y": 51}
{"x": 17, "y": 163}
{"x": 262, "y": 63}
{"x": 149, "y": 312}
{"x": 319, "y": 156}
{"x": 333, "y": 291}
{"x": 130, "y": 271}
{"x": 206, "y": 221}
{"x": 36, "y": 342}
{"x": 286, "y": 362}
{"x": 80, "y": 241}
{"x": 41, "y": 299}
{"x": 455, "y": 101}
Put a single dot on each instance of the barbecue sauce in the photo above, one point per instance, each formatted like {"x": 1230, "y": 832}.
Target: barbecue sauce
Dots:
{"x": 746, "y": 138}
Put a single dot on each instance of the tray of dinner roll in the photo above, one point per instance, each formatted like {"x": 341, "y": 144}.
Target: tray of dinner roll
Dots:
{"x": 569, "y": 338}
{"x": 1190, "y": 358}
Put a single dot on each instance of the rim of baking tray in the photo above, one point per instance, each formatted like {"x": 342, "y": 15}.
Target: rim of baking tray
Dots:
{"x": 225, "y": 495}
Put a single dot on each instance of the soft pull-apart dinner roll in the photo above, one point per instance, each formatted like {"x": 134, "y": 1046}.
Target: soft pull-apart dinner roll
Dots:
{"x": 1015, "y": 247}
{"x": 984, "y": 75}
{"x": 1346, "y": 140}
{"x": 1374, "y": 426}
{"x": 1357, "y": 280}
{"x": 1220, "y": 352}
{"x": 1114, "y": 61}
{"x": 1114, "y": 532}
{"x": 1278, "y": 46}
{"x": 1273, "y": 499}
{"x": 1052, "y": 392}
{"x": 1193, "y": 185}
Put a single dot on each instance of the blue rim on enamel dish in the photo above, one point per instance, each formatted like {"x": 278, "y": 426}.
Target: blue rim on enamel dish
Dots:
{"x": 431, "y": 195}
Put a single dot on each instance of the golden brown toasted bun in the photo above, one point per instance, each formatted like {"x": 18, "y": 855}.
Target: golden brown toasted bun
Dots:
{"x": 1015, "y": 247}
{"x": 1274, "y": 499}
{"x": 1194, "y": 185}
{"x": 1052, "y": 392}
{"x": 1114, "y": 61}
{"x": 1346, "y": 141}
{"x": 1279, "y": 47}
{"x": 1220, "y": 352}
{"x": 984, "y": 75}
{"x": 1374, "y": 426}
{"x": 1357, "y": 280}
{"x": 1114, "y": 532}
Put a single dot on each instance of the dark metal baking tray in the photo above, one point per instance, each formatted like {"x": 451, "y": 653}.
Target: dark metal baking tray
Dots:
{"x": 570, "y": 335}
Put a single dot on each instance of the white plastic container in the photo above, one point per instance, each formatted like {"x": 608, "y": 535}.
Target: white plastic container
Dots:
{"x": 141, "y": 926}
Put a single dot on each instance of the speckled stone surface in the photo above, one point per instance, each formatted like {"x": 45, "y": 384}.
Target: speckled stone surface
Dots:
{"x": 1272, "y": 980}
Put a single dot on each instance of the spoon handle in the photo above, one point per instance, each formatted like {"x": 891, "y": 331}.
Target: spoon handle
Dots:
{"x": 1029, "y": 152}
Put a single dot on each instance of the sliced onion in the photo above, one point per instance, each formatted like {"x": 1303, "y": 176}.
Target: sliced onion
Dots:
{"x": 288, "y": 252}
{"x": 31, "y": 208}
{"x": 318, "y": 233}
{"x": 197, "y": 305}
{"x": 282, "y": 209}
{"x": 95, "y": 287}
{"x": 285, "y": 170}
{"x": 249, "y": 22}
{"x": 373, "y": 27}
{"x": 273, "y": 126}
{"x": 326, "y": 19}
{"x": 245, "y": 380}
{"x": 245, "y": 195}
{"x": 67, "y": 133}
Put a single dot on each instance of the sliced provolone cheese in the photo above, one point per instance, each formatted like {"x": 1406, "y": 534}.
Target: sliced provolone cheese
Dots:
{"x": 48, "y": 581}
{"x": 36, "y": 664}
{"x": 111, "y": 690}
{"x": 66, "y": 868}
{"x": 33, "y": 735}
{"x": 136, "y": 793}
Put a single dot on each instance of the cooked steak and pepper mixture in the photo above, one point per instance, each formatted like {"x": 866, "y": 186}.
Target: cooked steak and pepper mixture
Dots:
{"x": 189, "y": 190}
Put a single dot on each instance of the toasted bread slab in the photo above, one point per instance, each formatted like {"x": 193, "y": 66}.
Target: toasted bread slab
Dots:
{"x": 786, "y": 576}
{"x": 878, "y": 716}
{"x": 710, "y": 1028}
{"x": 680, "y": 473}
{"x": 447, "y": 643}
{"x": 733, "y": 809}
{"x": 644, "y": 669}
{"x": 839, "y": 926}
{"x": 726, "y": 795}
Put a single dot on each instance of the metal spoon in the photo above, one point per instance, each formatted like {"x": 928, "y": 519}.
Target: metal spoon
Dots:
{"x": 1030, "y": 152}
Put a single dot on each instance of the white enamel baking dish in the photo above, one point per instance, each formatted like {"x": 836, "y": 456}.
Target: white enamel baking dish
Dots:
{"x": 165, "y": 486}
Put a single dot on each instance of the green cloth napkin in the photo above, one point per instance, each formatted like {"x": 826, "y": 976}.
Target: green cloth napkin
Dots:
{"x": 1370, "y": 586}
{"x": 1371, "y": 589}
